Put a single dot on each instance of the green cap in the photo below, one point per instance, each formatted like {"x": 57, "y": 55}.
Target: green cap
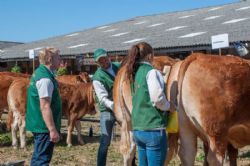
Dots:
{"x": 100, "y": 52}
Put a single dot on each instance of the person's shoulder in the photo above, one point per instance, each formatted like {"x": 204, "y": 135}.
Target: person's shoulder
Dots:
{"x": 117, "y": 64}
{"x": 146, "y": 66}
{"x": 45, "y": 81}
{"x": 97, "y": 74}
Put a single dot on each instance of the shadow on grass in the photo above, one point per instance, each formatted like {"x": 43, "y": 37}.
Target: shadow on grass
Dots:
{"x": 6, "y": 139}
{"x": 86, "y": 139}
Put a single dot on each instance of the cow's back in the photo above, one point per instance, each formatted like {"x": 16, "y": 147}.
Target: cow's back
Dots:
{"x": 160, "y": 61}
{"x": 76, "y": 98}
{"x": 17, "y": 95}
{"x": 6, "y": 79}
{"x": 215, "y": 93}
{"x": 74, "y": 79}
{"x": 11, "y": 74}
{"x": 68, "y": 79}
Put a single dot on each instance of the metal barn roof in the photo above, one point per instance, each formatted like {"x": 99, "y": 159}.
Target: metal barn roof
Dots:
{"x": 163, "y": 31}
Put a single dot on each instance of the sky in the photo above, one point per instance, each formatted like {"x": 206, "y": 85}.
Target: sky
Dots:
{"x": 31, "y": 20}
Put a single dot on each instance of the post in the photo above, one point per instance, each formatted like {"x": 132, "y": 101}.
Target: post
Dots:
{"x": 32, "y": 56}
{"x": 33, "y": 64}
{"x": 220, "y": 51}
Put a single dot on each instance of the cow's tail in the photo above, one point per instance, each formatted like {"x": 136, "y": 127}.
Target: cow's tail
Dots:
{"x": 10, "y": 110}
{"x": 126, "y": 129}
{"x": 173, "y": 147}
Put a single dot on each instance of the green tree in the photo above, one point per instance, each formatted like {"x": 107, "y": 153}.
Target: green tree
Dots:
{"x": 16, "y": 69}
{"x": 62, "y": 71}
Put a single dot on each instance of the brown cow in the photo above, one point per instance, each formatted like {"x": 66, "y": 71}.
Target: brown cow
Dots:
{"x": 213, "y": 104}
{"x": 15, "y": 74}
{"x": 6, "y": 79}
{"x": 77, "y": 100}
{"x": 122, "y": 110}
{"x": 160, "y": 61}
{"x": 73, "y": 79}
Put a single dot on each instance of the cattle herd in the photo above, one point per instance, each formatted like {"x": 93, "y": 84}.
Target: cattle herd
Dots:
{"x": 211, "y": 94}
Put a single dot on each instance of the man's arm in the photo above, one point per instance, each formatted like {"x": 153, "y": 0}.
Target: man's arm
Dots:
{"x": 45, "y": 89}
{"x": 102, "y": 95}
{"x": 48, "y": 118}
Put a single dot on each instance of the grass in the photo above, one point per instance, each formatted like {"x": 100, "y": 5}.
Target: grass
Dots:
{"x": 85, "y": 154}
{"x": 200, "y": 157}
{"x": 5, "y": 139}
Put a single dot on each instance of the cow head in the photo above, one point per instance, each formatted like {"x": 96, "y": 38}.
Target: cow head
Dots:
{"x": 84, "y": 76}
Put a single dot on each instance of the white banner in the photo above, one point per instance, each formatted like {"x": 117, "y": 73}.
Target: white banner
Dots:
{"x": 220, "y": 41}
{"x": 31, "y": 54}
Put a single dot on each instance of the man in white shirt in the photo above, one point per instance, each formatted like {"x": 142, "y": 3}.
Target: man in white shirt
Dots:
{"x": 44, "y": 109}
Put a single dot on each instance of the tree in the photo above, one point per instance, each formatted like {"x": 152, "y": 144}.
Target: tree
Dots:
{"x": 16, "y": 69}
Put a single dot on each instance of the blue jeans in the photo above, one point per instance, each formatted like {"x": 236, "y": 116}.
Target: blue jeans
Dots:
{"x": 43, "y": 149}
{"x": 152, "y": 147}
{"x": 107, "y": 121}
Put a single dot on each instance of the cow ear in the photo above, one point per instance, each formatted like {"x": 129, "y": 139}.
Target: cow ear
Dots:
{"x": 166, "y": 72}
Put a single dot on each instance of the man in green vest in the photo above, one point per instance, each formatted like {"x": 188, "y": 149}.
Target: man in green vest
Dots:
{"x": 44, "y": 108}
{"x": 103, "y": 81}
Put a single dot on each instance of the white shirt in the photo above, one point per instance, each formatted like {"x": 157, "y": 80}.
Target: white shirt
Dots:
{"x": 102, "y": 93}
{"x": 45, "y": 88}
{"x": 155, "y": 84}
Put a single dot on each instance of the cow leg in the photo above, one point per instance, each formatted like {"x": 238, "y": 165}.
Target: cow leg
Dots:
{"x": 22, "y": 133}
{"x": 71, "y": 122}
{"x": 188, "y": 147}
{"x": 232, "y": 153}
{"x": 188, "y": 140}
{"x": 216, "y": 152}
{"x": 14, "y": 128}
{"x": 172, "y": 147}
{"x": 78, "y": 128}
{"x": 205, "y": 147}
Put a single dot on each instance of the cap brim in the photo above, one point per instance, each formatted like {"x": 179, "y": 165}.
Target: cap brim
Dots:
{"x": 103, "y": 55}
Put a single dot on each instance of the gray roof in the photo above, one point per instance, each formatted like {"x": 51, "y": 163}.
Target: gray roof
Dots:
{"x": 6, "y": 44}
{"x": 167, "y": 30}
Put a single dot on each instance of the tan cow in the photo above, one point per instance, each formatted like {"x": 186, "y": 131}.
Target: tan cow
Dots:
{"x": 73, "y": 79}
{"x": 160, "y": 61}
{"x": 17, "y": 95}
{"x": 77, "y": 100}
{"x": 214, "y": 93}
{"x": 6, "y": 79}
{"x": 122, "y": 110}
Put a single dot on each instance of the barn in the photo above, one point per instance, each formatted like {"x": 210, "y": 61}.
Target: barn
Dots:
{"x": 175, "y": 34}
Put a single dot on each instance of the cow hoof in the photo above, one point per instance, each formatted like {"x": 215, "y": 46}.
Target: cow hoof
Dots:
{"x": 24, "y": 148}
{"x": 69, "y": 145}
{"x": 82, "y": 142}
{"x": 15, "y": 147}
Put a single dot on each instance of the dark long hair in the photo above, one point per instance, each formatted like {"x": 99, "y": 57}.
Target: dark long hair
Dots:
{"x": 136, "y": 54}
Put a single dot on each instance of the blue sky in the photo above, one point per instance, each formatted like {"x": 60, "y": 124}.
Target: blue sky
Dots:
{"x": 31, "y": 20}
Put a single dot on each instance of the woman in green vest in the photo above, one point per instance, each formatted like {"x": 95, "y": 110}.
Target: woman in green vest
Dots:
{"x": 149, "y": 106}
{"x": 44, "y": 108}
